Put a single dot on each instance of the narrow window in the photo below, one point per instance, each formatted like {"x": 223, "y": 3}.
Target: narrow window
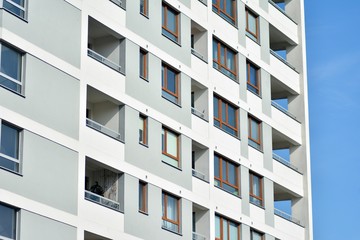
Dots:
{"x": 144, "y": 7}
{"x": 226, "y": 9}
{"x": 255, "y": 133}
{"x": 7, "y": 222}
{"x": 224, "y": 59}
{"x": 225, "y": 116}
{"x": 9, "y": 146}
{"x": 226, "y": 175}
{"x": 143, "y": 64}
{"x": 170, "y": 147}
{"x": 256, "y": 189}
{"x": 16, "y": 7}
{"x": 170, "y": 83}
{"x": 252, "y": 25}
{"x": 10, "y": 68}
{"x": 143, "y": 129}
{"x": 253, "y": 78}
{"x": 170, "y": 23}
{"x": 255, "y": 235}
{"x": 171, "y": 212}
{"x": 143, "y": 186}
{"x": 226, "y": 229}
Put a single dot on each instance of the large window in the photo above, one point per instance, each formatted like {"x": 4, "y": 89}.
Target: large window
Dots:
{"x": 253, "y": 78}
{"x": 226, "y": 9}
{"x": 171, "y": 212}
{"x": 252, "y": 25}
{"x": 7, "y": 222}
{"x": 143, "y": 186}
{"x": 144, "y": 7}
{"x": 170, "y": 83}
{"x": 255, "y": 133}
{"x": 143, "y": 129}
{"x": 256, "y": 189}
{"x": 9, "y": 146}
{"x": 226, "y": 174}
{"x": 170, "y": 22}
{"x": 226, "y": 229}
{"x": 16, "y": 7}
{"x": 225, "y": 116}
{"x": 10, "y": 71}
{"x": 143, "y": 64}
{"x": 255, "y": 235}
{"x": 224, "y": 59}
{"x": 170, "y": 147}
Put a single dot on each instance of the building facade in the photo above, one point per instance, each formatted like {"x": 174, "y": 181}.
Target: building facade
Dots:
{"x": 154, "y": 119}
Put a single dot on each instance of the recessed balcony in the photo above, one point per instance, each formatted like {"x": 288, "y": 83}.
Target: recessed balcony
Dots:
{"x": 200, "y": 223}
{"x": 199, "y": 100}
{"x": 200, "y": 161}
{"x": 199, "y": 41}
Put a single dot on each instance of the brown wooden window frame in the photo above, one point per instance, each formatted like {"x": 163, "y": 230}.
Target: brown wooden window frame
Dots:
{"x": 251, "y": 190}
{"x": 258, "y": 142}
{"x": 177, "y": 222}
{"x": 218, "y": 62}
{"x": 221, "y": 178}
{"x": 144, "y": 64}
{"x": 177, "y": 158}
{"x": 175, "y": 34}
{"x": 143, "y": 205}
{"x": 255, "y": 231}
{"x": 222, "y": 219}
{"x": 221, "y": 122}
{"x": 255, "y": 35}
{"x": 257, "y": 87}
{"x": 144, "y": 120}
{"x": 218, "y": 10}
{"x": 166, "y": 67}
{"x": 145, "y": 10}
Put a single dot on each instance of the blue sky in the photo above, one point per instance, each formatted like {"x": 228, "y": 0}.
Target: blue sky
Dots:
{"x": 333, "y": 56}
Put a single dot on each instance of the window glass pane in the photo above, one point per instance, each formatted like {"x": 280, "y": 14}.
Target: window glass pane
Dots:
{"x": 215, "y": 51}
{"x": 141, "y": 129}
{"x": 171, "y": 20}
{"x": 255, "y": 236}
{"x": 230, "y": 60}
{"x": 163, "y": 16}
{"x": 162, "y": 76}
{"x": 163, "y": 140}
{"x": 10, "y": 62}
{"x": 172, "y": 144}
{"x": 254, "y": 130}
{"x": 222, "y": 55}
{"x": 256, "y": 186}
{"x": 233, "y": 231}
{"x": 225, "y": 229}
{"x": 9, "y": 141}
{"x": 222, "y": 4}
{"x": 223, "y": 111}
{"x": 253, "y": 75}
{"x": 141, "y": 197}
{"x": 217, "y": 227}
{"x": 229, "y": 7}
{"x": 231, "y": 116}
{"x": 216, "y": 107}
{"x": 142, "y": 56}
{"x": 232, "y": 174}
{"x": 171, "y": 81}
{"x": 252, "y": 23}
{"x": 216, "y": 166}
{"x": 7, "y": 222}
{"x": 142, "y": 6}
{"x": 171, "y": 208}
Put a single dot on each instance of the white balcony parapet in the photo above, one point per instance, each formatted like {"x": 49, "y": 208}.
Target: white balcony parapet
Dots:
{"x": 199, "y": 175}
{"x": 283, "y": 60}
{"x": 104, "y": 60}
{"x": 197, "y": 236}
{"x": 102, "y": 200}
{"x": 283, "y": 110}
{"x": 198, "y": 113}
{"x": 97, "y": 126}
{"x": 281, "y": 10}
{"x": 198, "y": 55}
{"x": 286, "y": 163}
{"x": 287, "y": 216}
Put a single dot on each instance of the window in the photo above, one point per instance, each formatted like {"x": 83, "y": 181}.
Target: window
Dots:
{"x": 253, "y": 78}
{"x": 254, "y": 133}
{"x": 256, "y": 195}
{"x": 10, "y": 71}
{"x": 144, "y": 7}
{"x": 170, "y": 23}
{"x": 226, "y": 229}
{"x": 226, "y": 175}
{"x": 226, "y": 9}
{"x": 170, "y": 147}
{"x": 170, "y": 83}
{"x": 143, "y": 64}
{"x": 9, "y": 146}
{"x": 170, "y": 212}
{"x": 255, "y": 235}
{"x": 225, "y": 116}
{"x": 16, "y": 7}
{"x": 224, "y": 59}
{"x": 143, "y": 196}
{"x": 252, "y": 25}
{"x": 143, "y": 129}
{"x": 7, "y": 222}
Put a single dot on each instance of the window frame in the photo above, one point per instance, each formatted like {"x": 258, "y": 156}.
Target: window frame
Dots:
{"x": 253, "y": 36}
{"x": 221, "y": 66}
{"x": 227, "y": 103}
{"x": 164, "y": 148}
{"x": 143, "y": 197}
{"x": 15, "y": 222}
{"x": 143, "y": 55}
{"x": 256, "y": 89}
{"x": 22, "y": 9}
{"x": 256, "y": 143}
{"x": 16, "y": 161}
{"x": 221, "y": 178}
{"x": 222, "y": 12}
{"x": 251, "y": 189}
{"x": 144, "y": 135}
{"x": 176, "y": 222}
{"x": 257, "y": 232}
{"x": 165, "y": 8}
{"x": 145, "y": 10}
{"x": 221, "y": 230}
{"x": 164, "y": 83}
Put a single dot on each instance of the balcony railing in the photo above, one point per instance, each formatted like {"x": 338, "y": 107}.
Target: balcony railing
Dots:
{"x": 286, "y": 163}
{"x": 104, "y": 60}
{"x": 282, "y": 60}
{"x": 282, "y": 109}
{"x": 199, "y": 175}
{"x": 102, "y": 201}
{"x": 198, "y": 113}
{"x": 197, "y": 236}
{"x": 97, "y": 126}
{"x": 281, "y": 10}
{"x": 15, "y": 8}
{"x": 197, "y": 54}
{"x": 286, "y": 216}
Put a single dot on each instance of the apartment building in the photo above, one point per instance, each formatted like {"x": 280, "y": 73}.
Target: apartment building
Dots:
{"x": 154, "y": 119}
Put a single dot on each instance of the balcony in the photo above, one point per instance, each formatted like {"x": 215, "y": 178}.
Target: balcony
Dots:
{"x": 199, "y": 41}
{"x": 280, "y": 6}
{"x": 200, "y": 223}
{"x": 200, "y": 161}
{"x": 103, "y": 185}
{"x": 199, "y": 97}
{"x": 105, "y": 114}
{"x": 106, "y": 46}
{"x": 286, "y": 216}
